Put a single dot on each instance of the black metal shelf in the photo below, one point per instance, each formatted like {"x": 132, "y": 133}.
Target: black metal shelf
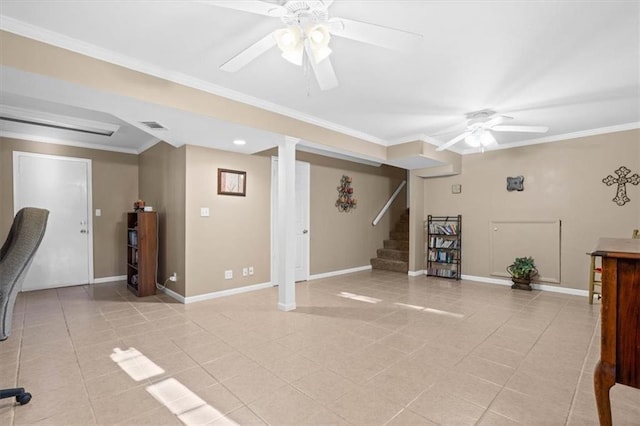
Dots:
{"x": 447, "y": 230}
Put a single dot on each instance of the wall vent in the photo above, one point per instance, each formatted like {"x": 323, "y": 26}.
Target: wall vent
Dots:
{"x": 154, "y": 125}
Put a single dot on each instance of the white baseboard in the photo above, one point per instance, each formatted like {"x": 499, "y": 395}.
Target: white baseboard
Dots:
{"x": 341, "y": 272}
{"x": 541, "y": 287}
{"x": 563, "y": 290}
{"x": 180, "y": 298}
{"x": 416, "y": 273}
{"x": 286, "y": 307}
{"x": 109, "y": 279}
{"x": 215, "y": 294}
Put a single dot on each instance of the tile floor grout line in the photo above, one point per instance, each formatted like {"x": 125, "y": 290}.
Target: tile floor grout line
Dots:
{"x": 75, "y": 353}
{"x": 584, "y": 364}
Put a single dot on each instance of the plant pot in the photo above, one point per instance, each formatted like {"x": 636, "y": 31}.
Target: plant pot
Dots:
{"x": 521, "y": 283}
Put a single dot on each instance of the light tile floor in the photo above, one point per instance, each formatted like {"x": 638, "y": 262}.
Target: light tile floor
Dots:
{"x": 430, "y": 351}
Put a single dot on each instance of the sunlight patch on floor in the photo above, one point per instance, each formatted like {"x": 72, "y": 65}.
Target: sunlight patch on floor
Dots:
{"x": 136, "y": 365}
{"x": 359, "y": 297}
{"x": 430, "y": 310}
{"x": 180, "y": 400}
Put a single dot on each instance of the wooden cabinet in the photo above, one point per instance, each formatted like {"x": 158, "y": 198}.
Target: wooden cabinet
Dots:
{"x": 620, "y": 344}
{"x": 443, "y": 241}
{"x": 142, "y": 252}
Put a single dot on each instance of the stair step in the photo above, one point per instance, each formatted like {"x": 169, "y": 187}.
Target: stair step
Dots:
{"x": 393, "y": 254}
{"x": 399, "y": 235}
{"x": 390, "y": 265}
{"x": 402, "y": 227}
{"x": 396, "y": 244}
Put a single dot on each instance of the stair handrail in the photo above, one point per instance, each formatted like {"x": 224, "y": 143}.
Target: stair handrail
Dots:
{"x": 386, "y": 206}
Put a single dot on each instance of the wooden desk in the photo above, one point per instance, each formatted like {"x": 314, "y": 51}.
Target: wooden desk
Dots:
{"x": 620, "y": 344}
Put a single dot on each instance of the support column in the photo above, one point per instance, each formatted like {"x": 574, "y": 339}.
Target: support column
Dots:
{"x": 415, "y": 194}
{"x": 286, "y": 222}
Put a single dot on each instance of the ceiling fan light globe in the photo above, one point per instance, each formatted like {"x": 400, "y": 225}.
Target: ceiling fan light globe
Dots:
{"x": 288, "y": 39}
{"x": 487, "y": 139}
{"x": 319, "y": 36}
{"x": 472, "y": 140}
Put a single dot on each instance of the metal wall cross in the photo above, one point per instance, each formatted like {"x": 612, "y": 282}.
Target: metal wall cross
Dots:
{"x": 621, "y": 194}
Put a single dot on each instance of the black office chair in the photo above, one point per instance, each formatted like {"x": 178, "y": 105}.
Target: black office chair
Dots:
{"x": 16, "y": 255}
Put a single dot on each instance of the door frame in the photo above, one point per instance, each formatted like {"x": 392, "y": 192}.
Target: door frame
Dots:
{"x": 274, "y": 221}
{"x": 87, "y": 161}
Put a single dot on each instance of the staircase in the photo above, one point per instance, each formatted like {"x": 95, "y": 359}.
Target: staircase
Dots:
{"x": 395, "y": 254}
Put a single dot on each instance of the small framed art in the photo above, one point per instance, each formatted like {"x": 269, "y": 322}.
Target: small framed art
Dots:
{"x": 232, "y": 182}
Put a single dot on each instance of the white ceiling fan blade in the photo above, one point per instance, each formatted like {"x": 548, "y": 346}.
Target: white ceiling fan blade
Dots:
{"x": 390, "y": 38}
{"x": 249, "y": 54}
{"x": 252, "y": 6}
{"x": 325, "y": 75}
{"x": 499, "y": 119}
{"x": 453, "y": 141}
{"x": 525, "y": 129}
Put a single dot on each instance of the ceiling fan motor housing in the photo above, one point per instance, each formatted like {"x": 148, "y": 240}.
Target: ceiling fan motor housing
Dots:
{"x": 305, "y": 12}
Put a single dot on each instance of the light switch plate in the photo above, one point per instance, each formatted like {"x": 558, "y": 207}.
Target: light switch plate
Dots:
{"x": 204, "y": 211}
{"x": 98, "y": 212}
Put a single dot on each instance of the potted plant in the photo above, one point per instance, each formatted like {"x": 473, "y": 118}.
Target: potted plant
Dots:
{"x": 522, "y": 270}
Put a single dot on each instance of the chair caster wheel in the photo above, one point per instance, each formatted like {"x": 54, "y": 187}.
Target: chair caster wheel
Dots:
{"x": 24, "y": 398}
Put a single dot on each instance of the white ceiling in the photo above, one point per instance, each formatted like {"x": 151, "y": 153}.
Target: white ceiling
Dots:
{"x": 573, "y": 66}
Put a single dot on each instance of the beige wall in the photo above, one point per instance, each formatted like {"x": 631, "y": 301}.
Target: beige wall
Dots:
{"x": 237, "y": 233}
{"x": 348, "y": 240}
{"x": 563, "y": 181}
{"x": 162, "y": 176}
{"x": 114, "y": 189}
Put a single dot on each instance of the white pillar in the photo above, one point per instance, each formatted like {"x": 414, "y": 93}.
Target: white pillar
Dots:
{"x": 286, "y": 220}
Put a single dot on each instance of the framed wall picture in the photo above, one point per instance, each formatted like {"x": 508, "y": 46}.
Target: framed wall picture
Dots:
{"x": 232, "y": 182}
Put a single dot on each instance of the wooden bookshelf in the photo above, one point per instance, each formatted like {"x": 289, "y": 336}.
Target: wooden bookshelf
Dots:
{"x": 142, "y": 252}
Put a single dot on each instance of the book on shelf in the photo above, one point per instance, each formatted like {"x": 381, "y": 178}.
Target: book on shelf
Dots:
{"x": 438, "y": 242}
{"x": 443, "y": 229}
{"x": 445, "y": 273}
{"x": 133, "y": 238}
{"x": 442, "y": 256}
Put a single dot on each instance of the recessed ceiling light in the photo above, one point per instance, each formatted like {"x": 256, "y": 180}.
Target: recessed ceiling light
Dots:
{"x": 239, "y": 142}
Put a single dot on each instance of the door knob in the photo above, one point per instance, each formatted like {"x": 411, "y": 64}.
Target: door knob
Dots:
{"x": 305, "y": 231}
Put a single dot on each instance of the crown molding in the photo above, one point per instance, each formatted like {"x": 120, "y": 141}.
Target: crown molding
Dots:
{"x": 56, "y": 39}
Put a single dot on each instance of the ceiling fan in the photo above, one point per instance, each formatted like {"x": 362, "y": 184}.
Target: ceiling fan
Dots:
{"x": 306, "y": 34}
{"x": 481, "y": 124}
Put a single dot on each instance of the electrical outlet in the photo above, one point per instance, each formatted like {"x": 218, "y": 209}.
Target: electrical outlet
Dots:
{"x": 228, "y": 274}
{"x": 204, "y": 211}
{"x": 245, "y": 272}
{"x": 250, "y": 270}
{"x": 173, "y": 277}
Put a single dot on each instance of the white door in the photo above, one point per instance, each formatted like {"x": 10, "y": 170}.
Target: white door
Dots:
{"x": 302, "y": 218}
{"x": 61, "y": 185}
{"x": 302, "y": 221}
